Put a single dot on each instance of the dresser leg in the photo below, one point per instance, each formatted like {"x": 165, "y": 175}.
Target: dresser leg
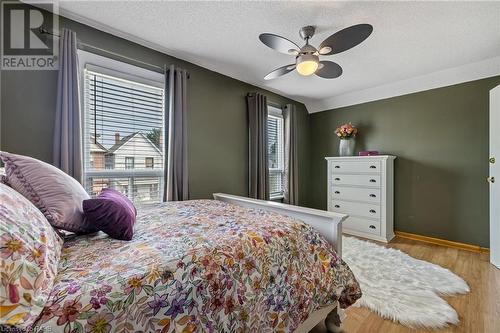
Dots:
{"x": 334, "y": 320}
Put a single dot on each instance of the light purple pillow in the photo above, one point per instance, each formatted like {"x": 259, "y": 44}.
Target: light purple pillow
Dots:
{"x": 58, "y": 195}
{"x": 112, "y": 213}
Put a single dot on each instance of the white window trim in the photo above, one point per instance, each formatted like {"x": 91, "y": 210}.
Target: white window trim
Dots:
{"x": 275, "y": 112}
{"x": 117, "y": 69}
{"x": 146, "y": 162}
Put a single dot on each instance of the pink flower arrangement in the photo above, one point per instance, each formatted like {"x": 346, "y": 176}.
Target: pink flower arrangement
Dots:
{"x": 346, "y": 131}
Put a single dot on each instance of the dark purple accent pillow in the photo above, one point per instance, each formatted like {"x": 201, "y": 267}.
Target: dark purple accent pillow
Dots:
{"x": 112, "y": 213}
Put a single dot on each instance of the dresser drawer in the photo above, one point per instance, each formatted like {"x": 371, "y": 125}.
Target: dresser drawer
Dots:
{"x": 355, "y": 167}
{"x": 357, "y": 180}
{"x": 363, "y": 225}
{"x": 355, "y": 193}
{"x": 356, "y": 208}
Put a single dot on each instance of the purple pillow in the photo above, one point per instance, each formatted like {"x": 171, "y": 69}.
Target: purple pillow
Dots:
{"x": 57, "y": 195}
{"x": 111, "y": 212}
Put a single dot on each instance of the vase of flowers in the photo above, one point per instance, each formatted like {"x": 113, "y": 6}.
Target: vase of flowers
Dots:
{"x": 347, "y": 135}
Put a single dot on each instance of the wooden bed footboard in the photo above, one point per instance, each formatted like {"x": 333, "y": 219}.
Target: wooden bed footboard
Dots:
{"x": 328, "y": 224}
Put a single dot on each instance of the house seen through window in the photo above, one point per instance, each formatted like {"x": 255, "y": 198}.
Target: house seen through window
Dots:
{"x": 276, "y": 151}
{"x": 123, "y": 128}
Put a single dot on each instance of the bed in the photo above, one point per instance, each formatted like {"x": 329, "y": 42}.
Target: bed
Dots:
{"x": 231, "y": 264}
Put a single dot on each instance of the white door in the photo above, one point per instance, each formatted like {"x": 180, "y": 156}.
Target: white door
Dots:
{"x": 494, "y": 177}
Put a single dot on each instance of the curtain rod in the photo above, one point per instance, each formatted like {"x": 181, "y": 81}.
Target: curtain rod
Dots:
{"x": 83, "y": 46}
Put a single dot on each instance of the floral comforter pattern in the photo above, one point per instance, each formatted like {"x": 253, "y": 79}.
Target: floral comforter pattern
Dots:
{"x": 29, "y": 256}
{"x": 198, "y": 266}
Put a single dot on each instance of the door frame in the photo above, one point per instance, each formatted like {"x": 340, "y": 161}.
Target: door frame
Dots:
{"x": 494, "y": 168}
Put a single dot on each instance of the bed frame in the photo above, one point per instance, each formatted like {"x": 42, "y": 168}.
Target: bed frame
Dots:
{"x": 328, "y": 224}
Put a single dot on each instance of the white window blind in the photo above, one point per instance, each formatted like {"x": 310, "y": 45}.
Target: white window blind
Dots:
{"x": 123, "y": 129}
{"x": 276, "y": 152}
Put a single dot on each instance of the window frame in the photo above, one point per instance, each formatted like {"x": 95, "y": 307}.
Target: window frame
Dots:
{"x": 275, "y": 111}
{"x": 152, "y": 164}
{"x": 122, "y": 71}
{"x": 129, "y": 162}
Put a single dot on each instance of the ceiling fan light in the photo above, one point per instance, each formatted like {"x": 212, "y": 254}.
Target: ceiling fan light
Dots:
{"x": 325, "y": 50}
{"x": 307, "y": 64}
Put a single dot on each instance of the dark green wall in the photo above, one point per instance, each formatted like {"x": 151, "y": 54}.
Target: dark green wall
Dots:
{"x": 440, "y": 138}
{"x": 217, "y": 121}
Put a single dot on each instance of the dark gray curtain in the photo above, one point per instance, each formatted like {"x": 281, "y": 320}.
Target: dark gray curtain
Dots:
{"x": 67, "y": 148}
{"x": 291, "y": 156}
{"x": 176, "y": 168}
{"x": 258, "y": 160}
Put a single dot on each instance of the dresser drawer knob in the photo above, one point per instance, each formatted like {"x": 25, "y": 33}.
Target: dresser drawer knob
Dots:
{"x": 337, "y": 178}
{"x": 373, "y": 227}
{"x": 373, "y": 167}
{"x": 337, "y": 206}
{"x": 337, "y": 192}
{"x": 337, "y": 167}
{"x": 372, "y": 211}
{"x": 373, "y": 195}
{"x": 373, "y": 181}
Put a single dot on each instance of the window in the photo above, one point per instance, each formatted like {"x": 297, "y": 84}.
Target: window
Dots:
{"x": 124, "y": 124}
{"x": 109, "y": 162}
{"x": 129, "y": 162}
{"x": 153, "y": 190}
{"x": 150, "y": 162}
{"x": 276, "y": 152}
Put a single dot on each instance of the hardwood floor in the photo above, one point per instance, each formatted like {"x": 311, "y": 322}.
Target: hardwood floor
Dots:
{"x": 479, "y": 311}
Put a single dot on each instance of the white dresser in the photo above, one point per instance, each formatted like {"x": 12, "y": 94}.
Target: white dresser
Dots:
{"x": 363, "y": 188}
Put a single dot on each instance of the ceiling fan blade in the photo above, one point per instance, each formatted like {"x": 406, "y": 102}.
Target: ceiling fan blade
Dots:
{"x": 345, "y": 39}
{"x": 278, "y": 43}
{"x": 328, "y": 70}
{"x": 279, "y": 72}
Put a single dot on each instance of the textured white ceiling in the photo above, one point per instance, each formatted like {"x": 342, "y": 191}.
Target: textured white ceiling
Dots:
{"x": 410, "y": 39}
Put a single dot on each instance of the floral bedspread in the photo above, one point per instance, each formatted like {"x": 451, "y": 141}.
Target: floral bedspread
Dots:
{"x": 198, "y": 266}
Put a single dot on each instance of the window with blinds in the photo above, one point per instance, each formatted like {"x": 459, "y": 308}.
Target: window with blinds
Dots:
{"x": 123, "y": 129}
{"x": 276, "y": 152}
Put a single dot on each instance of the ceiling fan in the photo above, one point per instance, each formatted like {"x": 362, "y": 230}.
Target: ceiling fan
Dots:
{"x": 307, "y": 57}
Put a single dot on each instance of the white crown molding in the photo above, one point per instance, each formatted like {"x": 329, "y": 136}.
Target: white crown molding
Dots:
{"x": 115, "y": 32}
{"x": 465, "y": 73}
{"x": 153, "y": 46}
{"x": 100, "y": 26}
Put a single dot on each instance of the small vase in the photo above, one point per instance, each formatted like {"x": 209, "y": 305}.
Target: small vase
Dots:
{"x": 346, "y": 147}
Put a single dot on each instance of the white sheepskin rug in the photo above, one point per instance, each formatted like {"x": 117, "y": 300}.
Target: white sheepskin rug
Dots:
{"x": 401, "y": 288}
